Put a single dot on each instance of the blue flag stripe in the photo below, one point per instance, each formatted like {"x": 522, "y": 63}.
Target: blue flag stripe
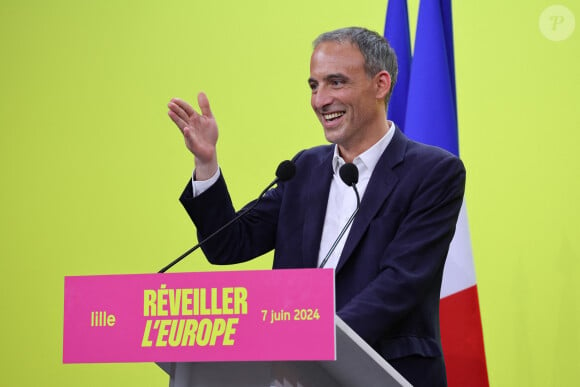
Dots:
{"x": 431, "y": 114}
{"x": 397, "y": 33}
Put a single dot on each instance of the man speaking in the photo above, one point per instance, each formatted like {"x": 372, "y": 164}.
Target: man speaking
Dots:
{"x": 389, "y": 250}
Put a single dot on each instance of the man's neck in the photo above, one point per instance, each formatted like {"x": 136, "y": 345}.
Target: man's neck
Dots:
{"x": 348, "y": 154}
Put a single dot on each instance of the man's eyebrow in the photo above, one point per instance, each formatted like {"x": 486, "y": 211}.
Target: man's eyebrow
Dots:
{"x": 329, "y": 77}
{"x": 335, "y": 76}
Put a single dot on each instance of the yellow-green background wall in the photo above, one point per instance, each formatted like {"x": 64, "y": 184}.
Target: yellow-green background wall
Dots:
{"x": 91, "y": 167}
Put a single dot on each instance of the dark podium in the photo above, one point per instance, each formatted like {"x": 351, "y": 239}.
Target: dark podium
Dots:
{"x": 357, "y": 365}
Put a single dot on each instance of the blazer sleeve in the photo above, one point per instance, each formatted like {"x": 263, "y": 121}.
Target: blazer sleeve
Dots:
{"x": 250, "y": 236}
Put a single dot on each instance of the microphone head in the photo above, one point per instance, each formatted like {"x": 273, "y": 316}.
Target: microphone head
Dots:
{"x": 349, "y": 174}
{"x": 286, "y": 170}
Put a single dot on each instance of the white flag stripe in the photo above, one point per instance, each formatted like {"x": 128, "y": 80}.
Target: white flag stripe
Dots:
{"x": 459, "y": 271}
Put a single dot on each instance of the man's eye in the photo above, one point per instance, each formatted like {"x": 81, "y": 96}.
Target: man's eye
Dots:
{"x": 313, "y": 86}
{"x": 337, "y": 82}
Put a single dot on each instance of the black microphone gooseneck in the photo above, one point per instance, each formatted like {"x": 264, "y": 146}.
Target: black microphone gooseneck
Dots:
{"x": 349, "y": 175}
{"x": 285, "y": 171}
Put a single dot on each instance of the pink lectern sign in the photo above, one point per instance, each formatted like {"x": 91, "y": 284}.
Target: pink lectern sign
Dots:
{"x": 215, "y": 316}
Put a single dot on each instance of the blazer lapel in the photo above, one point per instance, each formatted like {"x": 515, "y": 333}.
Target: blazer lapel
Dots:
{"x": 382, "y": 182}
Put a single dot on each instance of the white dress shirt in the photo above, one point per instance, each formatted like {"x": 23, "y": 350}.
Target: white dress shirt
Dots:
{"x": 342, "y": 199}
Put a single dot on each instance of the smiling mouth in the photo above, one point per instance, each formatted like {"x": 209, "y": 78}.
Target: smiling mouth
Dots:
{"x": 333, "y": 116}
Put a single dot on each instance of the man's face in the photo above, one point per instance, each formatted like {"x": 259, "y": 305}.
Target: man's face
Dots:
{"x": 344, "y": 97}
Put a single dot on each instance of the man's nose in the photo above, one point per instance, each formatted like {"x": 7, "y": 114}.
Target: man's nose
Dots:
{"x": 321, "y": 98}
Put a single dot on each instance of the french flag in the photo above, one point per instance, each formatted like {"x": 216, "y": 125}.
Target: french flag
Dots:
{"x": 424, "y": 106}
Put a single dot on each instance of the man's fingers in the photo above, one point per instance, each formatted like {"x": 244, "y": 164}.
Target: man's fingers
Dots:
{"x": 183, "y": 105}
{"x": 177, "y": 120}
{"x": 199, "y": 130}
{"x": 184, "y": 116}
{"x": 204, "y": 105}
{"x": 179, "y": 110}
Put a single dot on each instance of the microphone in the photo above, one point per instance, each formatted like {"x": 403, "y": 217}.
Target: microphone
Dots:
{"x": 285, "y": 171}
{"x": 349, "y": 175}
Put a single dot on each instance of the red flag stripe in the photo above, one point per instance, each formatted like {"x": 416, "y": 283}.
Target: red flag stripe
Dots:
{"x": 462, "y": 339}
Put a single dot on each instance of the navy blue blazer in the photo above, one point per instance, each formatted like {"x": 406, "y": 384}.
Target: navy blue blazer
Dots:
{"x": 389, "y": 275}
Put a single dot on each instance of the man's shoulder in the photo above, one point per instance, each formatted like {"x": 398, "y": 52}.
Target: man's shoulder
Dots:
{"x": 316, "y": 154}
{"x": 422, "y": 153}
{"x": 429, "y": 150}
{"x": 407, "y": 153}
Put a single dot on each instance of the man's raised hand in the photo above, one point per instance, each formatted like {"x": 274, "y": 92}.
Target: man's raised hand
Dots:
{"x": 199, "y": 131}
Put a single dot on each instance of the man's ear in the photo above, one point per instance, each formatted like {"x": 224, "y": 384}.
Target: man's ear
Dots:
{"x": 382, "y": 84}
